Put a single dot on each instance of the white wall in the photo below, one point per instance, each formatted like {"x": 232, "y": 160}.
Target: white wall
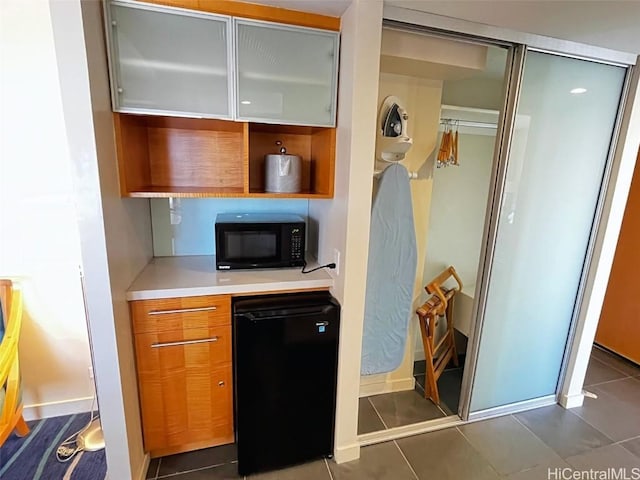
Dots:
{"x": 421, "y": 98}
{"x": 458, "y": 207}
{"x": 185, "y": 226}
{"x": 39, "y": 240}
{"x": 115, "y": 233}
{"x": 474, "y": 92}
{"x": 344, "y": 221}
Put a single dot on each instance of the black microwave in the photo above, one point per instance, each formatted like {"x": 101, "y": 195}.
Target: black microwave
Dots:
{"x": 259, "y": 240}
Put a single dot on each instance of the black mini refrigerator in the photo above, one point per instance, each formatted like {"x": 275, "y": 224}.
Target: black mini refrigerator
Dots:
{"x": 285, "y": 372}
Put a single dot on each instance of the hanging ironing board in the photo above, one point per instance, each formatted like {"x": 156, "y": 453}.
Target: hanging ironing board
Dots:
{"x": 390, "y": 275}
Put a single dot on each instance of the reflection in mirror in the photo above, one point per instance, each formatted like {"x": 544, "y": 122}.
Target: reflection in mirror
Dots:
{"x": 452, "y": 92}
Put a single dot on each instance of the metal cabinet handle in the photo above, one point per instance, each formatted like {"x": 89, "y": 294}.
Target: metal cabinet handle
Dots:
{"x": 221, "y": 383}
{"x": 183, "y": 310}
{"x": 184, "y": 342}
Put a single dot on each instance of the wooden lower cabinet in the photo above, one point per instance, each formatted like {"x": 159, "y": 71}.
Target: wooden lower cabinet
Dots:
{"x": 185, "y": 378}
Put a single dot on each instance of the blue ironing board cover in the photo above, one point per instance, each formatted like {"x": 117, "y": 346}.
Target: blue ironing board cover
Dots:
{"x": 390, "y": 275}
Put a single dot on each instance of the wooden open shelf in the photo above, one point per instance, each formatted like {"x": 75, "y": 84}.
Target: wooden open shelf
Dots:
{"x": 315, "y": 145}
{"x": 187, "y": 157}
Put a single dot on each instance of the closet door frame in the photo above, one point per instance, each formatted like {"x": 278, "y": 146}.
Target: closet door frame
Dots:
{"x": 513, "y": 82}
{"x": 501, "y": 159}
{"x": 520, "y": 43}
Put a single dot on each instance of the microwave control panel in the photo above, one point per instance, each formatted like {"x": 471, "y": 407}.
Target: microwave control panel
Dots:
{"x": 297, "y": 243}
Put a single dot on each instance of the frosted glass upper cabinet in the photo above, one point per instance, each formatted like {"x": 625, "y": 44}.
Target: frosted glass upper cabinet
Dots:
{"x": 170, "y": 61}
{"x": 285, "y": 74}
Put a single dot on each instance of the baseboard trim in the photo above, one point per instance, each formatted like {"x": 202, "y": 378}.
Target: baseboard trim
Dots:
{"x": 145, "y": 467}
{"x": 387, "y": 386}
{"x": 346, "y": 454}
{"x": 572, "y": 401}
{"x": 38, "y": 411}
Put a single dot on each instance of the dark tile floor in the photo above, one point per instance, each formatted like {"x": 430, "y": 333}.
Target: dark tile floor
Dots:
{"x": 604, "y": 433}
{"x": 380, "y": 412}
{"x": 449, "y": 386}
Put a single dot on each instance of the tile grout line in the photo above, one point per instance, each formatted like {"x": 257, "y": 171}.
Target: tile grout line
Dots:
{"x": 326, "y": 464}
{"x": 536, "y": 436}
{"x": 377, "y": 413}
{"x": 579, "y": 418}
{"x": 158, "y": 469}
{"x": 591, "y": 425}
{"x": 584, "y": 387}
{"x": 406, "y": 460}
{"x": 440, "y": 408}
{"x": 487, "y": 461}
{"x": 545, "y": 444}
{"x": 620, "y": 442}
{"x": 189, "y": 471}
{"x": 429, "y": 400}
{"x": 604, "y": 395}
{"x": 463, "y": 435}
{"x": 610, "y": 366}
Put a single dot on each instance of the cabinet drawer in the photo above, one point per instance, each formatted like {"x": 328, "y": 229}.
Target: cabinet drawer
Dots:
{"x": 169, "y": 314}
{"x": 185, "y": 350}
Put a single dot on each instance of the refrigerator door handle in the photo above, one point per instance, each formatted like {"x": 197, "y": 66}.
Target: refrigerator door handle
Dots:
{"x": 247, "y": 315}
{"x": 291, "y": 312}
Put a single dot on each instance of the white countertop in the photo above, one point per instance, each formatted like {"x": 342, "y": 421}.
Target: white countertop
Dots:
{"x": 167, "y": 277}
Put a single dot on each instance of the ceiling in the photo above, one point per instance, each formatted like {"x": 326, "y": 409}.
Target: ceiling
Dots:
{"x": 610, "y": 24}
{"x": 605, "y": 23}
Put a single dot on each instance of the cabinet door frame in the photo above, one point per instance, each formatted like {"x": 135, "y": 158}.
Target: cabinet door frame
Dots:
{"x": 335, "y": 35}
{"x": 113, "y": 56}
{"x": 155, "y": 390}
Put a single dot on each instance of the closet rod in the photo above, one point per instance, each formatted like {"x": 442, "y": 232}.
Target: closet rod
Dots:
{"x": 466, "y": 123}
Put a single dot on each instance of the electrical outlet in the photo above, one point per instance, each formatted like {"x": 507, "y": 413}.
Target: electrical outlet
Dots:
{"x": 90, "y": 373}
{"x": 336, "y": 260}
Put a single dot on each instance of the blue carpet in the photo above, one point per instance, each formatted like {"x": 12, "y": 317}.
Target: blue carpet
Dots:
{"x": 34, "y": 457}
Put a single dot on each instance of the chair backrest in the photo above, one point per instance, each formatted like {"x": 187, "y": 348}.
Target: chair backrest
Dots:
{"x": 6, "y": 290}
{"x": 11, "y": 418}
{"x": 12, "y": 312}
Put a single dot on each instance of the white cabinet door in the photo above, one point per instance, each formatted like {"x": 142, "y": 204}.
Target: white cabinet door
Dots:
{"x": 285, "y": 74}
{"x": 170, "y": 61}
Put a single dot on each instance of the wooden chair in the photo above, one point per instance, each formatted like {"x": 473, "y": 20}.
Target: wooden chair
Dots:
{"x": 438, "y": 355}
{"x": 10, "y": 392}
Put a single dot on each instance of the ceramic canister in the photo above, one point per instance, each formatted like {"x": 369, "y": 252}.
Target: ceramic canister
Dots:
{"x": 282, "y": 173}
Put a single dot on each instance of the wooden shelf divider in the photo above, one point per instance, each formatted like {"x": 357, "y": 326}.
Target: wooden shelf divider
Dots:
{"x": 189, "y": 157}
